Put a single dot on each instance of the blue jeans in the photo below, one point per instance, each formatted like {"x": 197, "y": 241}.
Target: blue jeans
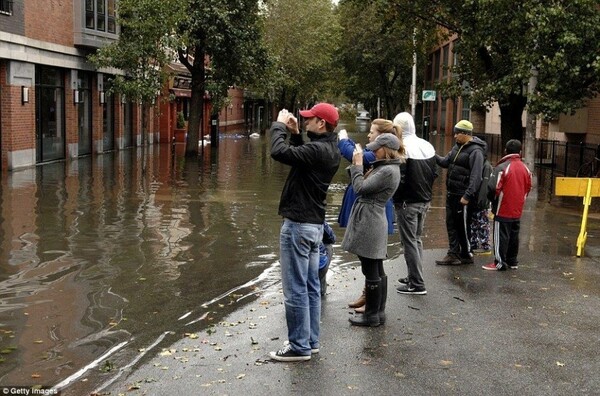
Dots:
{"x": 411, "y": 220}
{"x": 299, "y": 259}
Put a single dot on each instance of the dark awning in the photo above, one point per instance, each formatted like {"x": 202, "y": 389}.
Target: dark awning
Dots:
{"x": 183, "y": 93}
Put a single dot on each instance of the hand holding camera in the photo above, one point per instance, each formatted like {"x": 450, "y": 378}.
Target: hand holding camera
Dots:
{"x": 357, "y": 156}
{"x": 289, "y": 120}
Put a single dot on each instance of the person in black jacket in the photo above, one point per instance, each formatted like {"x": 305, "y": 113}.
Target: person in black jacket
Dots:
{"x": 302, "y": 206}
{"x": 465, "y": 166}
{"x": 412, "y": 200}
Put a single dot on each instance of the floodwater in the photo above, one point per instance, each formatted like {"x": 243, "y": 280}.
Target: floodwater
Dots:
{"x": 105, "y": 259}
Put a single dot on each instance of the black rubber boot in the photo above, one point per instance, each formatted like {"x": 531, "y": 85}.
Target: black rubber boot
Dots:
{"x": 373, "y": 300}
{"x": 383, "y": 286}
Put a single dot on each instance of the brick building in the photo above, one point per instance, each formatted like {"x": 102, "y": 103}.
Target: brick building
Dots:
{"x": 54, "y": 104}
{"x": 53, "y": 101}
{"x": 442, "y": 113}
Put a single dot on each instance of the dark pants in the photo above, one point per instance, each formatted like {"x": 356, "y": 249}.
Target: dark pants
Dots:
{"x": 372, "y": 269}
{"x": 506, "y": 242}
{"x": 458, "y": 217}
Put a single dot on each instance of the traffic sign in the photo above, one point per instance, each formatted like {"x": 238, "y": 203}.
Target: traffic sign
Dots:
{"x": 428, "y": 96}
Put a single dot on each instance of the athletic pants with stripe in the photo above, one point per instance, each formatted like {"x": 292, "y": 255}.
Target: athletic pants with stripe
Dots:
{"x": 506, "y": 242}
{"x": 458, "y": 219}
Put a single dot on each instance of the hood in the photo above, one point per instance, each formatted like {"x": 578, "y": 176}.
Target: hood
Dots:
{"x": 479, "y": 142}
{"x": 406, "y": 123}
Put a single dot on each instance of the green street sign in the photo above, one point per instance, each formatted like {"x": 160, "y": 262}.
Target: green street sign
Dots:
{"x": 429, "y": 96}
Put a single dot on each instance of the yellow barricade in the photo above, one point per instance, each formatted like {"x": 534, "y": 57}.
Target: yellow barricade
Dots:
{"x": 579, "y": 187}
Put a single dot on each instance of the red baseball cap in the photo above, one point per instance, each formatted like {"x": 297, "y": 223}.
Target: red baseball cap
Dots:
{"x": 324, "y": 111}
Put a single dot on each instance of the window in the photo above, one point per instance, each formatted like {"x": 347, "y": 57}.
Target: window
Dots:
{"x": 100, "y": 15}
{"x": 465, "y": 112}
{"x": 445, "y": 60}
{"x": 436, "y": 66}
{"x": 6, "y": 6}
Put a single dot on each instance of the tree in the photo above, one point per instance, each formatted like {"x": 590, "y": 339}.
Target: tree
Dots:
{"x": 146, "y": 31}
{"x": 302, "y": 37}
{"x": 377, "y": 53}
{"x": 502, "y": 42}
{"x": 221, "y": 47}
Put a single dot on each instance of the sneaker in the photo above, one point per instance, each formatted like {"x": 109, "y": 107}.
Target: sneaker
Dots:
{"x": 450, "y": 259}
{"x": 312, "y": 350}
{"x": 286, "y": 354}
{"x": 482, "y": 252}
{"x": 409, "y": 289}
{"x": 513, "y": 266}
{"x": 494, "y": 267}
{"x": 403, "y": 280}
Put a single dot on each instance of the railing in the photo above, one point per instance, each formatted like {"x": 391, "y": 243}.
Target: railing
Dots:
{"x": 554, "y": 158}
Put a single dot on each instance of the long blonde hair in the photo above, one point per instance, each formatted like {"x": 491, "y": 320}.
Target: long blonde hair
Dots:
{"x": 386, "y": 126}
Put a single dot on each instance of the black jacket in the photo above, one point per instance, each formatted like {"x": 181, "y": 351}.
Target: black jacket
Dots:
{"x": 465, "y": 166}
{"x": 314, "y": 164}
{"x": 418, "y": 172}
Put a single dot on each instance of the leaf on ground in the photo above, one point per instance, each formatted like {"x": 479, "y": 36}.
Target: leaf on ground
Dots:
{"x": 35, "y": 375}
{"x": 559, "y": 364}
{"x": 446, "y": 362}
{"x": 165, "y": 352}
{"x": 193, "y": 336}
{"x": 240, "y": 376}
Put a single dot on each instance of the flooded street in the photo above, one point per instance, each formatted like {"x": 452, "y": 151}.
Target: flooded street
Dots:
{"x": 102, "y": 258}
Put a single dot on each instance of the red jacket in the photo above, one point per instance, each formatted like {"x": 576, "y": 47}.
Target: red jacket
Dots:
{"x": 508, "y": 187}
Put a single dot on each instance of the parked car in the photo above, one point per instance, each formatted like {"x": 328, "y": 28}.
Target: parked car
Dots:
{"x": 363, "y": 116}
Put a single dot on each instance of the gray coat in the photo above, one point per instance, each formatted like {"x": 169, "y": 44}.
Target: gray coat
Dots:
{"x": 366, "y": 234}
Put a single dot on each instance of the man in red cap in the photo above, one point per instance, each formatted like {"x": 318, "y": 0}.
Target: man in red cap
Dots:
{"x": 302, "y": 205}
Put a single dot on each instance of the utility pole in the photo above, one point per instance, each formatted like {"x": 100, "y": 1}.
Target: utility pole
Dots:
{"x": 413, "y": 86}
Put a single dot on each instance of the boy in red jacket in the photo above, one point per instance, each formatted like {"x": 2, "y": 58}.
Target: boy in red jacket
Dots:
{"x": 507, "y": 189}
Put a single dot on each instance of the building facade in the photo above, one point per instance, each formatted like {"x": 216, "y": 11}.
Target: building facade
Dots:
{"x": 54, "y": 103}
{"x": 440, "y": 115}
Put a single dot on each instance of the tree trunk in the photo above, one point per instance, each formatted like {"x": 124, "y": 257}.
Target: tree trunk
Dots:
{"x": 197, "y": 105}
{"x": 511, "y": 125}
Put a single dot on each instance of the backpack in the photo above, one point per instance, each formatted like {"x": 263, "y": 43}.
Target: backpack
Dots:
{"x": 482, "y": 200}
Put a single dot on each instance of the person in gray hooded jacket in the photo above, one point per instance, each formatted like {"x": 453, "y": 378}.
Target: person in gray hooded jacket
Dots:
{"x": 366, "y": 233}
{"x": 412, "y": 200}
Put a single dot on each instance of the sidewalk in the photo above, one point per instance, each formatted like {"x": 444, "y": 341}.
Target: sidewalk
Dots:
{"x": 531, "y": 331}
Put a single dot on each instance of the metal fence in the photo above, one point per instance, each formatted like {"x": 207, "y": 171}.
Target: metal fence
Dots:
{"x": 562, "y": 158}
{"x": 554, "y": 158}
